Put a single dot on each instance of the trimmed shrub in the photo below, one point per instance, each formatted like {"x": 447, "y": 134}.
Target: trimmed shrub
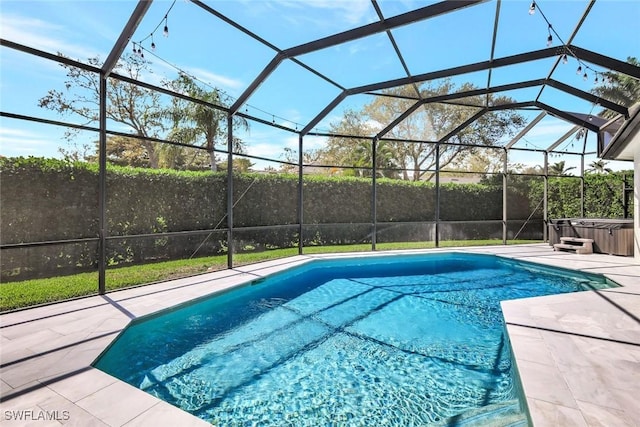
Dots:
{"x": 53, "y": 201}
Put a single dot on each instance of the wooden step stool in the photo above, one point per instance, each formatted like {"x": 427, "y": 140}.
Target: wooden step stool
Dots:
{"x": 581, "y": 246}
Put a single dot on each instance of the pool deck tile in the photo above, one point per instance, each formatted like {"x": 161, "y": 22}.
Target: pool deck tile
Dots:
{"x": 578, "y": 355}
{"x": 130, "y": 401}
{"x": 163, "y": 414}
{"x": 593, "y": 339}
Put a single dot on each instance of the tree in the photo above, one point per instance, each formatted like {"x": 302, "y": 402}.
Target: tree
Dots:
{"x": 483, "y": 161}
{"x": 128, "y": 104}
{"x": 431, "y": 123}
{"x": 619, "y": 88}
{"x": 125, "y": 152}
{"x": 241, "y": 165}
{"x": 198, "y": 124}
{"x": 599, "y": 166}
{"x": 290, "y": 156}
{"x": 357, "y": 153}
{"x": 559, "y": 169}
{"x": 79, "y": 152}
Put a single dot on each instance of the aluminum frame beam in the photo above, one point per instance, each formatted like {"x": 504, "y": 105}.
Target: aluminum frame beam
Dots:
{"x": 531, "y": 83}
{"x": 494, "y": 38}
{"x": 484, "y": 91}
{"x": 234, "y": 24}
{"x": 546, "y": 108}
{"x": 584, "y": 54}
{"x": 396, "y": 48}
{"x": 333, "y": 104}
{"x": 566, "y": 116}
{"x": 266, "y": 72}
{"x": 415, "y": 15}
{"x": 463, "y": 125}
{"x": 573, "y": 35}
{"x": 478, "y": 66}
{"x": 398, "y": 119}
{"x": 605, "y": 61}
{"x": 463, "y": 69}
{"x": 128, "y": 30}
{"x": 526, "y": 130}
{"x": 50, "y": 56}
{"x": 264, "y": 42}
{"x": 589, "y": 97}
{"x": 350, "y": 35}
{"x": 563, "y": 138}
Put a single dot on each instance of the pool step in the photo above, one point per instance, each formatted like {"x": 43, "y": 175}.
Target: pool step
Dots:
{"x": 503, "y": 414}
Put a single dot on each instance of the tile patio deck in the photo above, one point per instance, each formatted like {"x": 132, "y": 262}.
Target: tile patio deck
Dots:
{"x": 578, "y": 355}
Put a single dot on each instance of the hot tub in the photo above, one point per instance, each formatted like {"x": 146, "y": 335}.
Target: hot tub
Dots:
{"x": 610, "y": 236}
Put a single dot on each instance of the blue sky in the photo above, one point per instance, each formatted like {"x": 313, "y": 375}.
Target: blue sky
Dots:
{"x": 219, "y": 55}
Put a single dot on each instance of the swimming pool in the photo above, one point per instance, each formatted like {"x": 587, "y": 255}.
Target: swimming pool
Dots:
{"x": 393, "y": 340}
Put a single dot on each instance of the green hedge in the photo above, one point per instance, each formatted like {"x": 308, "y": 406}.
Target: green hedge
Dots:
{"x": 44, "y": 200}
{"x": 603, "y": 195}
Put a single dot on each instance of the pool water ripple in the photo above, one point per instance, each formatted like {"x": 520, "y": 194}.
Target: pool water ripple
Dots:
{"x": 378, "y": 344}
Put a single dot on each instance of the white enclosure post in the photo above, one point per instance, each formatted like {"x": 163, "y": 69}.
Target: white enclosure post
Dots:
{"x": 636, "y": 205}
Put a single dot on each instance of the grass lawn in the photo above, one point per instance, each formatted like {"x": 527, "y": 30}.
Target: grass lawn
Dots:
{"x": 26, "y": 293}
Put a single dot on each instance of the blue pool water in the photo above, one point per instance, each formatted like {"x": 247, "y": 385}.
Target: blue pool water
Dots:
{"x": 395, "y": 340}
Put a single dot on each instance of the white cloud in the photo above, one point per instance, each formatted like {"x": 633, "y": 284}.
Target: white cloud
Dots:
{"x": 41, "y": 35}
{"x": 264, "y": 149}
{"x": 327, "y": 13}
{"x": 357, "y": 47}
{"x": 552, "y": 130}
{"x": 310, "y": 142}
{"x": 333, "y": 118}
{"x": 13, "y": 134}
{"x": 292, "y": 115}
{"x": 276, "y": 151}
{"x": 19, "y": 142}
{"x": 544, "y": 134}
{"x": 166, "y": 71}
{"x": 215, "y": 79}
{"x": 354, "y": 12}
{"x": 153, "y": 78}
{"x": 272, "y": 143}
